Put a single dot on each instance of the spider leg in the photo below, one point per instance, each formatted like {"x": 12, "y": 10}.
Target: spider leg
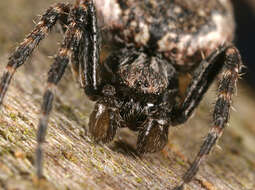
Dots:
{"x": 89, "y": 65}
{"x": 71, "y": 41}
{"x": 81, "y": 30}
{"x": 104, "y": 120}
{"x": 25, "y": 49}
{"x": 85, "y": 58}
{"x": 75, "y": 63}
{"x": 231, "y": 64}
{"x": 203, "y": 77}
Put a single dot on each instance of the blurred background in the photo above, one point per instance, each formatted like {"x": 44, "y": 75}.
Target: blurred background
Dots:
{"x": 245, "y": 35}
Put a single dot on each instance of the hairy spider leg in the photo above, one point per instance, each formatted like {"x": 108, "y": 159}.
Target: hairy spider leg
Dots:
{"x": 203, "y": 77}
{"x": 89, "y": 65}
{"x": 75, "y": 63}
{"x": 73, "y": 36}
{"x": 75, "y": 58}
{"x": 25, "y": 49}
{"x": 227, "y": 61}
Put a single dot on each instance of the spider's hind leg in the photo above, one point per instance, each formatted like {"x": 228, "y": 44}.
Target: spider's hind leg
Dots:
{"x": 25, "y": 49}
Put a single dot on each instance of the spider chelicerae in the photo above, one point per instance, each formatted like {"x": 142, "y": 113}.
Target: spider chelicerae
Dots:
{"x": 136, "y": 85}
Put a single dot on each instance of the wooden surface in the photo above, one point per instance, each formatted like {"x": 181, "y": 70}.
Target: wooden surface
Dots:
{"x": 74, "y": 161}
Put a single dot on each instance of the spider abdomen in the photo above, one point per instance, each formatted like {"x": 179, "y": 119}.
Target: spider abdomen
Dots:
{"x": 179, "y": 29}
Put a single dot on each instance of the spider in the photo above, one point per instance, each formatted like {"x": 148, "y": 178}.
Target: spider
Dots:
{"x": 150, "y": 43}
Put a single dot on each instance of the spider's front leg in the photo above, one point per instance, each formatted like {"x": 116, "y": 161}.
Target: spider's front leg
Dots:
{"x": 226, "y": 60}
{"x": 105, "y": 119}
{"x": 89, "y": 64}
{"x": 24, "y": 50}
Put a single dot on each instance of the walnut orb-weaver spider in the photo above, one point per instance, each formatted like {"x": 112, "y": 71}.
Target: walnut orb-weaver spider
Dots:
{"x": 136, "y": 86}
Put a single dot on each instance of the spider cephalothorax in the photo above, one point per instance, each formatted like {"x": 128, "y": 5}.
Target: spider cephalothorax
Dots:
{"x": 136, "y": 85}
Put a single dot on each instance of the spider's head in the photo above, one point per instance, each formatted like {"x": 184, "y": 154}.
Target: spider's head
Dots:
{"x": 141, "y": 76}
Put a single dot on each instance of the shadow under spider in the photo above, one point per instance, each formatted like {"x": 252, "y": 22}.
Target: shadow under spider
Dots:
{"x": 125, "y": 143}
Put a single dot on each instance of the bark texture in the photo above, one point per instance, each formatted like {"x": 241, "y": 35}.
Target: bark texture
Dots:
{"x": 74, "y": 161}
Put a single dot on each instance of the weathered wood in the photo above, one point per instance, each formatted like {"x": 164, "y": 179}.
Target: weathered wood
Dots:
{"x": 74, "y": 161}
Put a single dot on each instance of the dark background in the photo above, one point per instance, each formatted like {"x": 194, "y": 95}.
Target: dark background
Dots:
{"x": 245, "y": 36}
